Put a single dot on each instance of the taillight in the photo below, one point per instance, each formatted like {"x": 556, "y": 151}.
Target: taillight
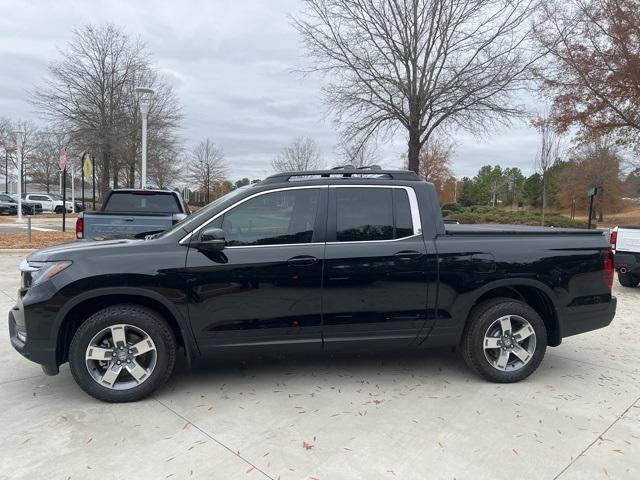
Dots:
{"x": 80, "y": 227}
{"x": 607, "y": 267}
{"x": 613, "y": 239}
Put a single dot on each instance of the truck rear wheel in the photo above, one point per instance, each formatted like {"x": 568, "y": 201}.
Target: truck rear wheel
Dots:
{"x": 505, "y": 340}
{"x": 628, "y": 279}
{"x": 122, "y": 353}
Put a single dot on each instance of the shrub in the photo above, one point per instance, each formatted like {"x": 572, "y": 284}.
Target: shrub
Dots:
{"x": 487, "y": 214}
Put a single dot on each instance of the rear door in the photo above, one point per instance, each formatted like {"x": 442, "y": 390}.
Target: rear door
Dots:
{"x": 374, "y": 282}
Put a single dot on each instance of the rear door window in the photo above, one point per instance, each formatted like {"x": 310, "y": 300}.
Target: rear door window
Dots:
{"x": 368, "y": 214}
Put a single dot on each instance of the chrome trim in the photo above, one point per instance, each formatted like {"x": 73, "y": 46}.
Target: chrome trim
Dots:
{"x": 413, "y": 204}
{"x": 277, "y": 245}
{"x": 239, "y": 202}
{"x": 373, "y": 241}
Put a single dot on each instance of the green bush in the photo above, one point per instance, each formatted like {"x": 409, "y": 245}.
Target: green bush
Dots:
{"x": 487, "y": 214}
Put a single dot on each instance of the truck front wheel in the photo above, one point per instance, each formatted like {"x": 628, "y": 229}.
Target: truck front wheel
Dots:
{"x": 505, "y": 340}
{"x": 628, "y": 279}
{"x": 122, "y": 353}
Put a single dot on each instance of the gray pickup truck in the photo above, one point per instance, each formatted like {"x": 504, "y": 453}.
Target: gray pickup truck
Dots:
{"x": 132, "y": 213}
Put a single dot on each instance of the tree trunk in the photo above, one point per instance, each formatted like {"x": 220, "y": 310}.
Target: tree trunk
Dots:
{"x": 414, "y": 148}
{"x": 132, "y": 175}
{"x": 115, "y": 178}
{"x": 544, "y": 195}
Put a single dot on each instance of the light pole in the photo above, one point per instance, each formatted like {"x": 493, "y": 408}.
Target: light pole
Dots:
{"x": 19, "y": 141}
{"x": 144, "y": 97}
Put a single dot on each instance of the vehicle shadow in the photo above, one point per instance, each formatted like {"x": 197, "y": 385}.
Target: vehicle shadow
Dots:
{"x": 271, "y": 366}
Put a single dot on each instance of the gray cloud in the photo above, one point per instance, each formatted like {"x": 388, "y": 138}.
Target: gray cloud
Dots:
{"x": 231, "y": 64}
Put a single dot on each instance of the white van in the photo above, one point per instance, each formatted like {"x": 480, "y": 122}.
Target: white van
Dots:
{"x": 625, "y": 242}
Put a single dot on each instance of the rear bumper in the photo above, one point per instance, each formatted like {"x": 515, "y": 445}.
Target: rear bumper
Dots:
{"x": 585, "y": 318}
{"x": 628, "y": 261}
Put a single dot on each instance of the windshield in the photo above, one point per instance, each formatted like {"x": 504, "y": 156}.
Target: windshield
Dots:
{"x": 195, "y": 219}
{"x": 55, "y": 196}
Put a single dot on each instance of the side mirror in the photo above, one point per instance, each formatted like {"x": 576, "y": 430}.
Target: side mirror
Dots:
{"x": 211, "y": 239}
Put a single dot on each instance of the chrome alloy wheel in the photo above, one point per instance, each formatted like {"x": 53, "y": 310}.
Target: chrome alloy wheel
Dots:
{"x": 121, "y": 357}
{"x": 509, "y": 343}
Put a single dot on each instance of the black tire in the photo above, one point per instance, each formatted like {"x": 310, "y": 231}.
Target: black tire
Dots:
{"x": 628, "y": 279}
{"x": 481, "y": 319}
{"x": 140, "y": 317}
{"x": 58, "y": 210}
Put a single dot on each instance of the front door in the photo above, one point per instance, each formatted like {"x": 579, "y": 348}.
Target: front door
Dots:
{"x": 264, "y": 287}
{"x": 375, "y": 278}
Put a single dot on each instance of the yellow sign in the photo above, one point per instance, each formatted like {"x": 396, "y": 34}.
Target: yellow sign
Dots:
{"x": 87, "y": 165}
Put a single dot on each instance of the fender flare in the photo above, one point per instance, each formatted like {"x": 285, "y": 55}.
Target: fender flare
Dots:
{"x": 190, "y": 345}
{"x": 515, "y": 282}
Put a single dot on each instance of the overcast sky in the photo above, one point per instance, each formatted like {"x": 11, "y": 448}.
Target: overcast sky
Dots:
{"x": 232, "y": 65}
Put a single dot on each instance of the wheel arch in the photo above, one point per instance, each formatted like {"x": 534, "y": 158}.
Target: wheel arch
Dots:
{"x": 535, "y": 294}
{"x": 86, "y": 304}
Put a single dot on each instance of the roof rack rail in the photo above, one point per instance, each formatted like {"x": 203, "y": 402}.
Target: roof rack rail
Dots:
{"x": 347, "y": 171}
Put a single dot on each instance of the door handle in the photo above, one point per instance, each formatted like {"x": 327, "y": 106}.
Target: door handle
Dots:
{"x": 408, "y": 255}
{"x": 302, "y": 260}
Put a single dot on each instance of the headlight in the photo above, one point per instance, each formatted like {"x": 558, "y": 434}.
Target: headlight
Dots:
{"x": 38, "y": 272}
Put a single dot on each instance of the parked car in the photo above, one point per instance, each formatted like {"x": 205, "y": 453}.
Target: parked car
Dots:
{"x": 28, "y": 208}
{"x": 315, "y": 260}
{"x": 59, "y": 199}
{"x": 49, "y": 202}
{"x": 625, "y": 241}
{"x": 128, "y": 213}
{"x": 8, "y": 208}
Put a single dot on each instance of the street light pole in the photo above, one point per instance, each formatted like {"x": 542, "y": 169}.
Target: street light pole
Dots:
{"x": 6, "y": 170}
{"x": 144, "y": 96}
{"x": 19, "y": 142}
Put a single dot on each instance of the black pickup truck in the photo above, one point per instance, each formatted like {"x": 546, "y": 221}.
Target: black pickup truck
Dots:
{"x": 318, "y": 260}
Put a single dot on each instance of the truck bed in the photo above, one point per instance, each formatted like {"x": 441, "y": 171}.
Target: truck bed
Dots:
{"x": 499, "y": 229}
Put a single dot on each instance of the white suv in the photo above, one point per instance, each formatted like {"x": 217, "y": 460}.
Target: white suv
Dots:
{"x": 50, "y": 203}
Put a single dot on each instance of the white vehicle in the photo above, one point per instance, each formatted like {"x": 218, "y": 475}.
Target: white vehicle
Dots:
{"x": 50, "y": 203}
{"x": 625, "y": 242}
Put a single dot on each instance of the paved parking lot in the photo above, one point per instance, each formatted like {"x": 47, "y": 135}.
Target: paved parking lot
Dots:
{"x": 348, "y": 417}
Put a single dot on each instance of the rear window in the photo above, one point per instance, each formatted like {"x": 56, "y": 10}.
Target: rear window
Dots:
{"x": 143, "y": 202}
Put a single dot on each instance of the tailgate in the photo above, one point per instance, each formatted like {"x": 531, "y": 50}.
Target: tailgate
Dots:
{"x": 628, "y": 240}
{"x": 98, "y": 225}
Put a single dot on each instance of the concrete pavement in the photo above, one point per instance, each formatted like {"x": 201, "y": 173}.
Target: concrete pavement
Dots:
{"x": 346, "y": 417}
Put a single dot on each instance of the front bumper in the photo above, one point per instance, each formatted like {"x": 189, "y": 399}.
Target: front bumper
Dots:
{"x": 585, "y": 318}
{"x": 42, "y": 351}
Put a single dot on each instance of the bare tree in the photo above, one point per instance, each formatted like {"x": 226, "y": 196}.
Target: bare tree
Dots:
{"x": 548, "y": 153}
{"x": 44, "y": 167}
{"x": 302, "y": 153}
{"x": 419, "y": 64}
{"x": 207, "y": 167}
{"x": 359, "y": 154}
{"x": 91, "y": 91}
{"x": 32, "y": 137}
